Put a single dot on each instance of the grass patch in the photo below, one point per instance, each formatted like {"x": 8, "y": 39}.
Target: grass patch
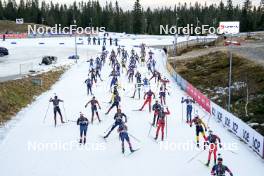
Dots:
{"x": 209, "y": 73}
{"x": 12, "y": 27}
{"x": 17, "y": 94}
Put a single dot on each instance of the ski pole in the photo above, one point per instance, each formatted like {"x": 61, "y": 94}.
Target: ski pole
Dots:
{"x": 150, "y": 129}
{"x": 182, "y": 109}
{"x": 108, "y": 129}
{"x": 72, "y": 120}
{"x": 195, "y": 156}
{"x": 166, "y": 127}
{"x": 46, "y": 113}
{"x": 134, "y": 137}
{"x": 64, "y": 111}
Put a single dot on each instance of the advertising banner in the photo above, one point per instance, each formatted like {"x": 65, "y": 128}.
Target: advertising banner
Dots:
{"x": 251, "y": 137}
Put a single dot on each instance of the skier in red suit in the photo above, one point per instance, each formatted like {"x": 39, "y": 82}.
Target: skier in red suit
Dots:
{"x": 161, "y": 122}
{"x": 149, "y": 95}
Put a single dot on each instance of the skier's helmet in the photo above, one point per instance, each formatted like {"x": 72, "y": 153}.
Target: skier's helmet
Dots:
{"x": 220, "y": 160}
{"x": 56, "y": 97}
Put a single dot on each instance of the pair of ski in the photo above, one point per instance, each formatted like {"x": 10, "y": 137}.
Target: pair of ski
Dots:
{"x": 151, "y": 137}
{"x": 129, "y": 154}
{"x": 125, "y": 155}
{"x": 203, "y": 163}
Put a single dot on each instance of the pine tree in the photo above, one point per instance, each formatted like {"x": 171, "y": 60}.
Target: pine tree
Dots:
{"x": 246, "y": 20}
{"x": 117, "y": 17}
{"x": 221, "y": 11}
{"x": 137, "y": 18}
{"x": 1, "y": 11}
{"x": 10, "y": 10}
{"x": 229, "y": 10}
{"x": 261, "y": 14}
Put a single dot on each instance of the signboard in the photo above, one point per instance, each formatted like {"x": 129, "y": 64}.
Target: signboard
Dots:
{"x": 200, "y": 98}
{"x": 251, "y": 137}
{"x": 13, "y": 36}
{"x": 19, "y": 21}
{"x": 229, "y": 27}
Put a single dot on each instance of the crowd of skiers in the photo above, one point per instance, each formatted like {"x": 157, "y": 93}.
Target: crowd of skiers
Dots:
{"x": 101, "y": 41}
{"x": 126, "y": 62}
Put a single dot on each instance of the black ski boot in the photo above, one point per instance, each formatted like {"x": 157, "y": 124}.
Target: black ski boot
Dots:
{"x": 156, "y": 138}
{"x": 131, "y": 150}
{"x": 123, "y": 150}
{"x": 208, "y": 162}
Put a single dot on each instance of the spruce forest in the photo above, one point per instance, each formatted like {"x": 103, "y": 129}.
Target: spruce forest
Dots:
{"x": 138, "y": 20}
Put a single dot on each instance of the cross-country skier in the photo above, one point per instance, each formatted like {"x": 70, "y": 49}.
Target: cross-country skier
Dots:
{"x": 116, "y": 102}
{"x": 123, "y": 64}
{"x": 114, "y": 81}
{"x": 91, "y": 62}
{"x": 200, "y": 128}
{"x": 164, "y": 82}
{"x": 56, "y": 101}
{"x": 99, "y": 39}
{"x": 94, "y": 109}
{"x": 156, "y": 75}
{"x": 89, "y": 85}
{"x": 93, "y": 77}
{"x": 94, "y": 41}
{"x": 212, "y": 140}
{"x": 138, "y": 86}
{"x": 189, "y": 108}
{"x": 123, "y": 135}
{"x": 156, "y": 108}
{"x": 219, "y": 169}
{"x": 130, "y": 73}
{"x": 161, "y": 122}
{"x": 146, "y": 84}
{"x": 110, "y": 41}
{"x": 83, "y": 122}
{"x": 116, "y": 42}
{"x": 119, "y": 50}
{"x": 162, "y": 95}
{"x": 118, "y": 121}
{"x": 89, "y": 40}
{"x": 149, "y": 96}
{"x": 142, "y": 60}
{"x": 97, "y": 71}
{"x": 104, "y": 41}
{"x": 149, "y": 68}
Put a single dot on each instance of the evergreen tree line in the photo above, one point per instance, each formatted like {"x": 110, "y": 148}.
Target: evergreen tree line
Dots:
{"x": 138, "y": 20}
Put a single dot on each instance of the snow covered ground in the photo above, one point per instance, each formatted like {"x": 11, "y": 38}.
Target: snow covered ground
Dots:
{"x": 98, "y": 158}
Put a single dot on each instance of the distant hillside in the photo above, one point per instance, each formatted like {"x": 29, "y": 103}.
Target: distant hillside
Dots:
{"x": 12, "y": 27}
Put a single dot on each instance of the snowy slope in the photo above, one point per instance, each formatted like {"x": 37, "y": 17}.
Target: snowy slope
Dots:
{"x": 98, "y": 158}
